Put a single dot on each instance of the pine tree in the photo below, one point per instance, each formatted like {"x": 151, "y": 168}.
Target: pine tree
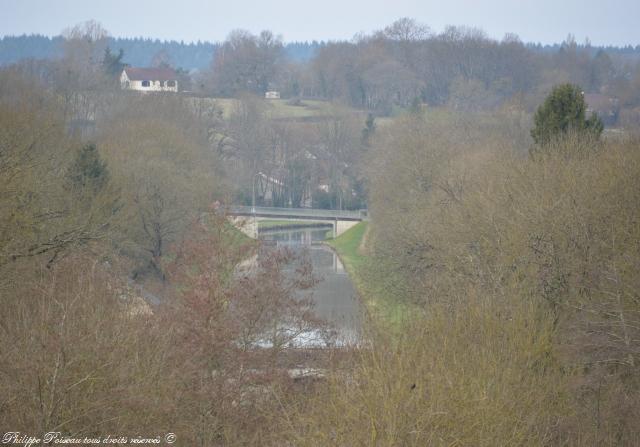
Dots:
{"x": 112, "y": 63}
{"x": 369, "y": 129}
{"x": 88, "y": 173}
{"x": 563, "y": 110}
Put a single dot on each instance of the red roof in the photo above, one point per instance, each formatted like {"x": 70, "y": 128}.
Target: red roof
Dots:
{"x": 150, "y": 74}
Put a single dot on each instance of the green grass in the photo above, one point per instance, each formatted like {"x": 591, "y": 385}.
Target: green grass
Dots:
{"x": 372, "y": 287}
{"x": 348, "y": 246}
{"x": 235, "y": 237}
{"x": 279, "y": 108}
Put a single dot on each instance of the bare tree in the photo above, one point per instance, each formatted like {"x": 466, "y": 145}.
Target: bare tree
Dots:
{"x": 338, "y": 140}
{"x": 247, "y": 63}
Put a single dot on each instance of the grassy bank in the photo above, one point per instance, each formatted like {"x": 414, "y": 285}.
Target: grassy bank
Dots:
{"x": 373, "y": 288}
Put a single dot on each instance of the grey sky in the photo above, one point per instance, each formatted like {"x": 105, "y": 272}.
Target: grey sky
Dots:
{"x": 547, "y": 21}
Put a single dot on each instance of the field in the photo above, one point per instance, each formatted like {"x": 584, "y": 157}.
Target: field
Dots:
{"x": 281, "y": 108}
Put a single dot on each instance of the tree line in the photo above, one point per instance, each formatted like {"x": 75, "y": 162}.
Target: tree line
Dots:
{"x": 139, "y": 50}
{"x": 386, "y": 70}
{"x": 407, "y": 64}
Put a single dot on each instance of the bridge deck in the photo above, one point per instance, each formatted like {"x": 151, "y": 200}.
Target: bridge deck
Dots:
{"x": 298, "y": 213}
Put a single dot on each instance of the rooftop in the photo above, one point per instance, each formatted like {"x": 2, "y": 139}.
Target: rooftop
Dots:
{"x": 150, "y": 74}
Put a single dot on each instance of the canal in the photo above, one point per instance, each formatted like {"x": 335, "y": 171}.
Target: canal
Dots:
{"x": 334, "y": 296}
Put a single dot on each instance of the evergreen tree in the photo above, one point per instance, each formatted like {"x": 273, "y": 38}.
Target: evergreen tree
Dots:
{"x": 88, "y": 172}
{"x": 564, "y": 110}
{"x": 369, "y": 129}
{"x": 112, "y": 63}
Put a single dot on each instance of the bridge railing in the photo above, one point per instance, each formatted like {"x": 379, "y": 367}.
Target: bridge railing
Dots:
{"x": 299, "y": 212}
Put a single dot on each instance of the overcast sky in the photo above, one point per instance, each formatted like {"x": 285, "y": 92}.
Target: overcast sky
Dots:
{"x": 613, "y": 22}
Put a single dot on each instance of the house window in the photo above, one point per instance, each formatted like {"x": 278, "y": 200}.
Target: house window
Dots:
{"x": 161, "y": 83}
{"x": 171, "y": 83}
{"x": 146, "y": 84}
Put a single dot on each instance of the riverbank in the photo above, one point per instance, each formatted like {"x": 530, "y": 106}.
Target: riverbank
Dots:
{"x": 372, "y": 288}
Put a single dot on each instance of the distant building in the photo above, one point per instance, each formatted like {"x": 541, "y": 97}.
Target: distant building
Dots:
{"x": 273, "y": 191}
{"x": 272, "y": 95}
{"x": 149, "y": 79}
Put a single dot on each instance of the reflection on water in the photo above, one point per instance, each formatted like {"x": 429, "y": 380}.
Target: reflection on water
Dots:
{"x": 334, "y": 296}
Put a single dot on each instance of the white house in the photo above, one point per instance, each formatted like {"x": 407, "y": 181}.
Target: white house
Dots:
{"x": 149, "y": 79}
{"x": 272, "y": 94}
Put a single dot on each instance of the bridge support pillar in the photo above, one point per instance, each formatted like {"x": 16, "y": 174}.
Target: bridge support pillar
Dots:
{"x": 343, "y": 225}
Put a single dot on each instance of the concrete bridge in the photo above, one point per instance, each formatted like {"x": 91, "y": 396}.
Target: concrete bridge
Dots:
{"x": 247, "y": 217}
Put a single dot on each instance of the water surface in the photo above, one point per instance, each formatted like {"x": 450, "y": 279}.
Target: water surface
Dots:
{"x": 334, "y": 296}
